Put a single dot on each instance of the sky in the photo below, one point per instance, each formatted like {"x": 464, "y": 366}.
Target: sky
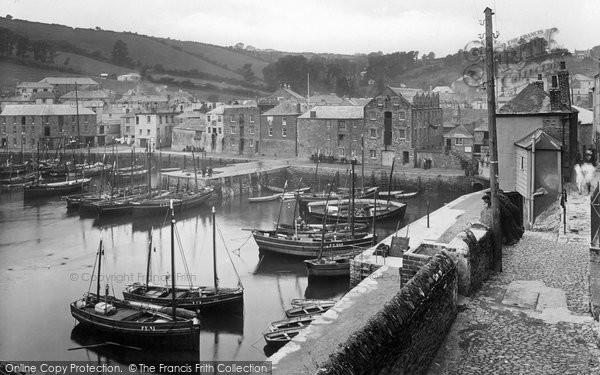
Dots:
{"x": 336, "y": 26}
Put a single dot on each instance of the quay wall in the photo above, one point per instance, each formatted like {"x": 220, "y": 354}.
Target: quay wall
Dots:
{"x": 404, "y": 336}
{"x": 401, "y": 180}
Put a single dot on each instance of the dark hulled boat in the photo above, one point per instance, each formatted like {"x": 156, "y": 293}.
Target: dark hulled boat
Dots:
{"x": 364, "y": 210}
{"x": 193, "y": 298}
{"x": 160, "y": 205}
{"x": 55, "y": 188}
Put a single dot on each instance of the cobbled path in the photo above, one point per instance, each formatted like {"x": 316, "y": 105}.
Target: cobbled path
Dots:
{"x": 490, "y": 337}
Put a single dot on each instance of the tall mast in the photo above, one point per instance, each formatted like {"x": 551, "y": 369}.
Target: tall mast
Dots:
{"x": 325, "y": 216}
{"x": 215, "y": 278}
{"x": 296, "y": 204}
{"x": 280, "y": 208}
{"x": 390, "y": 180}
{"x": 77, "y": 112}
{"x": 491, "y": 102}
{"x": 173, "y": 301}
{"x": 149, "y": 255}
{"x": 353, "y": 162}
{"x": 99, "y": 267}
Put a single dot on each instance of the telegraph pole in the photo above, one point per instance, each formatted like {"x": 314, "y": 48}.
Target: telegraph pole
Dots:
{"x": 491, "y": 102}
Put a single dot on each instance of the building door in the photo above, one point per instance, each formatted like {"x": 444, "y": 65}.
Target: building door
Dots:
{"x": 256, "y": 147}
{"x": 405, "y": 157}
{"x": 241, "y": 146}
{"x": 387, "y": 158}
{"x": 387, "y": 129}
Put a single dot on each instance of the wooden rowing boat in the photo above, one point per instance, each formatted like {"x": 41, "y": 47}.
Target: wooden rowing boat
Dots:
{"x": 315, "y": 308}
{"x": 364, "y": 210}
{"x": 266, "y": 198}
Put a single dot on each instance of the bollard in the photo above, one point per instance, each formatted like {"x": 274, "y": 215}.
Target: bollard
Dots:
{"x": 427, "y": 214}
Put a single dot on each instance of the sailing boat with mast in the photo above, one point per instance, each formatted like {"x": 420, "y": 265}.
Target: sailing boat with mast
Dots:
{"x": 193, "y": 298}
{"x": 309, "y": 245}
{"x": 131, "y": 319}
{"x": 334, "y": 265}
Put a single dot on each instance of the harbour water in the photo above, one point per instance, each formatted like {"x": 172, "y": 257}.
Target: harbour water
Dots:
{"x": 47, "y": 257}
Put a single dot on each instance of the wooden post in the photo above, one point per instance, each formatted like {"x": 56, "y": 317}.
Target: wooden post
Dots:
{"x": 491, "y": 103}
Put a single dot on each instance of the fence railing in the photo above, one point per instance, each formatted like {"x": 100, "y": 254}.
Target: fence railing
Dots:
{"x": 595, "y": 216}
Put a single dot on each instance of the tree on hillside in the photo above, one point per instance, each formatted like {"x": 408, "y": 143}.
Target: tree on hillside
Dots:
{"x": 43, "y": 51}
{"x": 248, "y": 73}
{"x": 22, "y": 46}
{"x": 120, "y": 54}
{"x": 7, "y": 41}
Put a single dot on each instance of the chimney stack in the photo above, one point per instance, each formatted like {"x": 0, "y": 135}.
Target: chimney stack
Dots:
{"x": 555, "y": 98}
{"x": 563, "y": 84}
{"x": 313, "y": 114}
{"x": 539, "y": 83}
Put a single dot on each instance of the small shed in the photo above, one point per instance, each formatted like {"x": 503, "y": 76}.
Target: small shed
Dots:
{"x": 538, "y": 173}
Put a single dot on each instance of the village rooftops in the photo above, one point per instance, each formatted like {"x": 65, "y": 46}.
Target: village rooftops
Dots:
{"x": 543, "y": 141}
{"x": 69, "y": 81}
{"x": 531, "y": 100}
{"x": 329, "y": 99}
{"x": 147, "y": 113}
{"x": 144, "y": 98}
{"x": 289, "y": 107}
{"x": 45, "y": 110}
{"x": 43, "y": 95}
{"x": 585, "y": 115}
{"x": 406, "y": 93}
{"x": 86, "y": 94}
{"x": 356, "y": 101}
{"x": 335, "y": 112}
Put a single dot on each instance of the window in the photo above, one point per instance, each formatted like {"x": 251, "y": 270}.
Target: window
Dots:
{"x": 23, "y": 120}
{"x": 251, "y": 130}
{"x": 220, "y": 131}
{"x": 232, "y": 129}
{"x": 373, "y": 154}
{"x": 328, "y": 123}
{"x": 380, "y": 102}
{"x": 284, "y": 132}
{"x": 251, "y": 118}
{"x": 372, "y": 115}
{"x": 402, "y": 116}
{"x": 270, "y": 120}
{"x": 354, "y": 124}
{"x": 402, "y": 133}
{"x": 341, "y": 151}
{"x": 208, "y": 118}
{"x": 458, "y": 141}
{"x": 140, "y": 131}
{"x": 270, "y": 132}
{"x": 340, "y": 137}
{"x": 232, "y": 143}
{"x": 354, "y": 138}
{"x": 127, "y": 120}
{"x": 160, "y": 120}
{"x": 147, "y": 119}
{"x": 342, "y": 125}
{"x": 232, "y": 118}
{"x": 522, "y": 163}
{"x": 219, "y": 119}
{"x": 373, "y": 133}
{"x": 396, "y": 102}
{"x": 283, "y": 121}
{"x": 137, "y": 120}
{"x": 127, "y": 129}
{"x": 101, "y": 129}
{"x": 46, "y": 131}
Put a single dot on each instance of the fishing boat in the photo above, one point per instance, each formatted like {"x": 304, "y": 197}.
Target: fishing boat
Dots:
{"x": 309, "y": 245}
{"x": 89, "y": 169}
{"x": 316, "y": 197}
{"x": 10, "y": 169}
{"x": 281, "y": 190}
{"x": 18, "y": 181}
{"x": 159, "y": 205}
{"x": 266, "y": 198}
{"x": 131, "y": 319}
{"x": 332, "y": 266}
{"x": 392, "y": 193}
{"x": 315, "y": 308}
{"x": 193, "y": 298}
{"x": 364, "y": 210}
{"x": 55, "y": 188}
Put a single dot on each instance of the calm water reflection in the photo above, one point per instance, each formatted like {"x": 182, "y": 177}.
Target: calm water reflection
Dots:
{"x": 47, "y": 255}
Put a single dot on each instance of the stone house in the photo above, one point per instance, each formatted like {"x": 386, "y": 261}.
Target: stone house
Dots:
{"x": 63, "y": 85}
{"x": 278, "y": 131}
{"x": 581, "y": 87}
{"x": 26, "y": 89}
{"x": 401, "y": 121}
{"x": 148, "y": 129}
{"x": 190, "y": 131}
{"x": 327, "y": 99}
{"x": 138, "y": 102}
{"x": 336, "y": 131}
{"x": 534, "y": 109}
{"x": 282, "y": 94}
{"x": 214, "y": 127}
{"x": 109, "y": 126}
{"x": 95, "y": 100}
{"x": 241, "y": 129}
{"x": 460, "y": 140}
{"x": 585, "y": 129}
{"x": 49, "y": 124}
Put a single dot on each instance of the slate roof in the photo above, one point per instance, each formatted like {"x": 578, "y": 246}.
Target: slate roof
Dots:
{"x": 406, "y": 92}
{"x": 458, "y": 132}
{"x": 69, "y": 81}
{"x": 43, "y": 95}
{"x": 336, "y": 112}
{"x": 330, "y": 99}
{"x": 530, "y": 100}
{"x": 356, "y": 101}
{"x": 143, "y": 98}
{"x": 288, "y": 107}
{"x": 35, "y": 85}
{"x": 543, "y": 141}
{"x": 44, "y": 110}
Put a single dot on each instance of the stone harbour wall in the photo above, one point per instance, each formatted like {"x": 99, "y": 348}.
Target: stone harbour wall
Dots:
{"x": 404, "y": 336}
